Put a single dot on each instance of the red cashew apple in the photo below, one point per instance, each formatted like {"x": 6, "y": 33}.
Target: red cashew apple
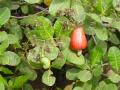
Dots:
{"x": 78, "y": 39}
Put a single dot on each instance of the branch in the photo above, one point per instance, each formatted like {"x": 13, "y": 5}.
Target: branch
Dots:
{"x": 38, "y": 7}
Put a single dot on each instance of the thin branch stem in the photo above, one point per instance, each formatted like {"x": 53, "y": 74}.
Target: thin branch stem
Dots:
{"x": 38, "y": 7}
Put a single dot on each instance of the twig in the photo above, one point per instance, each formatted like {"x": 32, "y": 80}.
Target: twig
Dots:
{"x": 21, "y": 17}
{"x": 94, "y": 40}
{"x": 38, "y": 7}
{"x": 42, "y": 9}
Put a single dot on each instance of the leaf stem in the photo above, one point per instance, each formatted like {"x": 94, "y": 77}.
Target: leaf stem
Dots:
{"x": 94, "y": 39}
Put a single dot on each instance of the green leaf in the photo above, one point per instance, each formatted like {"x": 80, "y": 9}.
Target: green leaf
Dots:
{"x": 114, "y": 77}
{"x": 58, "y": 5}
{"x": 116, "y": 24}
{"x": 9, "y": 58}
{"x": 45, "y": 31}
{"x": 88, "y": 86}
{"x": 96, "y": 55}
{"x": 19, "y": 81}
{"x": 95, "y": 17}
{"x": 33, "y": 57}
{"x": 59, "y": 62}
{"x": 12, "y": 39}
{"x": 58, "y": 27}
{"x": 4, "y": 45}
{"x": 104, "y": 86}
{"x": 3, "y": 83}
{"x": 3, "y": 36}
{"x": 71, "y": 74}
{"x": 48, "y": 79}
{"x": 44, "y": 22}
{"x": 71, "y": 57}
{"x": 114, "y": 57}
{"x": 116, "y": 5}
{"x": 89, "y": 30}
{"x": 79, "y": 13}
{"x": 65, "y": 42}
{"x": 101, "y": 33}
{"x": 10, "y": 83}
{"x": 84, "y": 75}
{"x": 113, "y": 38}
{"x": 103, "y": 46}
{"x": 3, "y": 80}
{"x": 62, "y": 26}
{"x": 15, "y": 29}
{"x": 51, "y": 51}
{"x": 14, "y": 6}
{"x": 2, "y": 87}
{"x": 25, "y": 9}
{"x": 90, "y": 44}
{"x": 4, "y": 15}
{"x": 107, "y": 21}
{"x": 27, "y": 70}
{"x": 101, "y": 86}
{"x": 32, "y": 20}
{"x": 33, "y": 1}
{"x": 111, "y": 87}
{"x": 102, "y": 6}
{"x": 5, "y": 3}
{"x": 78, "y": 88}
{"x": 97, "y": 71}
{"x": 27, "y": 87}
{"x": 5, "y": 70}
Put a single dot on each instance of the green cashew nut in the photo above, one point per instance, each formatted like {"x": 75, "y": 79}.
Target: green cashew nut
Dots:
{"x": 46, "y": 62}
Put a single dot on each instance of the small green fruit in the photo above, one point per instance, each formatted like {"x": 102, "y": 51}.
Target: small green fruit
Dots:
{"x": 46, "y": 62}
